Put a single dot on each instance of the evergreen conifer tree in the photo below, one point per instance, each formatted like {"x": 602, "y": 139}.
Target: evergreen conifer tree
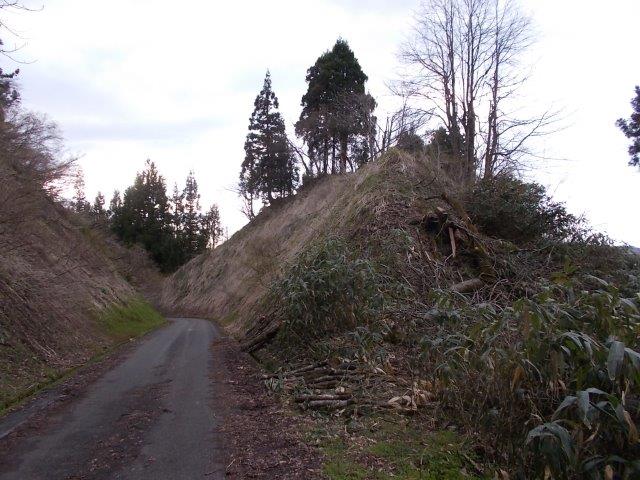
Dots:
{"x": 337, "y": 112}
{"x": 115, "y": 204}
{"x": 177, "y": 210}
{"x": 631, "y": 129}
{"x": 98, "y": 208}
{"x": 269, "y": 169}
{"x": 144, "y": 216}
{"x": 194, "y": 241}
{"x": 212, "y": 227}
{"x": 173, "y": 230}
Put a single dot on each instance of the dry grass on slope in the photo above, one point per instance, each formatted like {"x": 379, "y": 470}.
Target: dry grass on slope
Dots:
{"x": 228, "y": 283}
{"x": 374, "y": 292}
{"x": 56, "y": 275}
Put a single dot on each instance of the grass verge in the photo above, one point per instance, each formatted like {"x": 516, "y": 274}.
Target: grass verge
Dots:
{"x": 383, "y": 448}
{"x": 129, "y": 320}
{"x": 120, "y": 323}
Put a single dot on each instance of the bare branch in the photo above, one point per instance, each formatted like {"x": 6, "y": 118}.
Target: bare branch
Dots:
{"x": 464, "y": 62}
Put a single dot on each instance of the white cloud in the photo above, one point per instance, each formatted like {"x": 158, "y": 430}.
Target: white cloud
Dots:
{"x": 175, "y": 82}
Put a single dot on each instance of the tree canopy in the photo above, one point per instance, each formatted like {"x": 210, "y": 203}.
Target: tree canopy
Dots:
{"x": 631, "y": 129}
{"x": 173, "y": 230}
{"x": 336, "y": 122}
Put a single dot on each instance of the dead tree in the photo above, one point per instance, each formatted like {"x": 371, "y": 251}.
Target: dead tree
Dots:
{"x": 464, "y": 60}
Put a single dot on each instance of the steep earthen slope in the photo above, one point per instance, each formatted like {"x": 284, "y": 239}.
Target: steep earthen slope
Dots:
{"x": 228, "y": 283}
{"x": 56, "y": 275}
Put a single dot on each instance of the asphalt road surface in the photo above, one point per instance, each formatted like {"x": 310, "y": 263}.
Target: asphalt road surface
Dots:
{"x": 150, "y": 417}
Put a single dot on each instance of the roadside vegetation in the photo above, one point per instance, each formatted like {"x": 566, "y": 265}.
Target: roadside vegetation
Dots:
{"x": 116, "y": 323}
{"x": 128, "y": 320}
{"x": 388, "y": 446}
{"x": 537, "y": 362}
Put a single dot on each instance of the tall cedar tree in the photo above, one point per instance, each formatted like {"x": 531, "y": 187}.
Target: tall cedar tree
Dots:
{"x": 193, "y": 239}
{"x": 212, "y": 227}
{"x": 336, "y": 118}
{"x": 177, "y": 210}
{"x": 269, "y": 169}
{"x": 631, "y": 129}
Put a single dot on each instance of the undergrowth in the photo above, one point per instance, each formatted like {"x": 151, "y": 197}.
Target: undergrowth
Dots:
{"x": 550, "y": 380}
{"x": 327, "y": 290}
{"x": 540, "y": 363}
{"x": 554, "y": 378}
{"x": 380, "y": 449}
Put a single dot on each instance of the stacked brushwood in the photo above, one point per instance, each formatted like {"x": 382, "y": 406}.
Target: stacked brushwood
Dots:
{"x": 347, "y": 384}
{"x": 260, "y": 333}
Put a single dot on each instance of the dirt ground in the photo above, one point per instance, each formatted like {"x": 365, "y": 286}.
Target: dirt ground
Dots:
{"x": 262, "y": 439}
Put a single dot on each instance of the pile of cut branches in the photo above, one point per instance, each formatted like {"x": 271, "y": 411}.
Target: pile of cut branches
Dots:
{"x": 348, "y": 384}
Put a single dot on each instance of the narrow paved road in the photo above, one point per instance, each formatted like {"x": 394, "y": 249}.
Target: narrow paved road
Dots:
{"x": 149, "y": 418}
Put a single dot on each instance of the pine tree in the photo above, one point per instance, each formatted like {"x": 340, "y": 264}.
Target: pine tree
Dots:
{"x": 115, "y": 204}
{"x": 212, "y": 227}
{"x": 177, "y": 210}
{"x": 114, "y": 213}
{"x": 631, "y": 129}
{"x": 98, "y": 208}
{"x": 79, "y": 199}
{"x": 144, "y": 216}
{"x": 194, "y": 241}
{"x": 337, "y": 112}
{"x": 172, "y": 230}
{"x": 269, "y": 169}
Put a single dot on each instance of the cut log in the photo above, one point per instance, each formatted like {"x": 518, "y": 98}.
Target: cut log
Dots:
{"x": 328, "y": 378}
{"x": 328, "y": 396}
{"x": 453, "y": 242}
{"x": 297, "y": 371}
{"x": 329, "y": 403}
{"x": 467, "y": 286}
{"x": 256, "y": 342}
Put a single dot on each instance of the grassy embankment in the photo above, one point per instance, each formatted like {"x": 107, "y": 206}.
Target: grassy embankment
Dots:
{"x": 116, "y": 324}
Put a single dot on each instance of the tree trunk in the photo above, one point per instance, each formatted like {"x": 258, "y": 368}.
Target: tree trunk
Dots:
{"x": 343, "y": 154}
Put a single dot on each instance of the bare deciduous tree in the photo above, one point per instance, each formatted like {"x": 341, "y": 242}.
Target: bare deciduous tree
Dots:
{"x": 406, "y": 119}
{"x": 464, "y": 60}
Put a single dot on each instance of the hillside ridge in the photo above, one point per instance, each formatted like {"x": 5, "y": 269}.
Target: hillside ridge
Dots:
{"x": 228, "y": 282}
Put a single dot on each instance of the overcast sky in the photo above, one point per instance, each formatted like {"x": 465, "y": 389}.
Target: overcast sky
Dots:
{"x": 175, "y": 82}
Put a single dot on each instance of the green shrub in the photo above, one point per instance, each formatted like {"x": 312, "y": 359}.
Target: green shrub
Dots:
{"x": 327, "y": 289}
{"x": 558, "y": 373}
{"x": 521, "y": 212}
